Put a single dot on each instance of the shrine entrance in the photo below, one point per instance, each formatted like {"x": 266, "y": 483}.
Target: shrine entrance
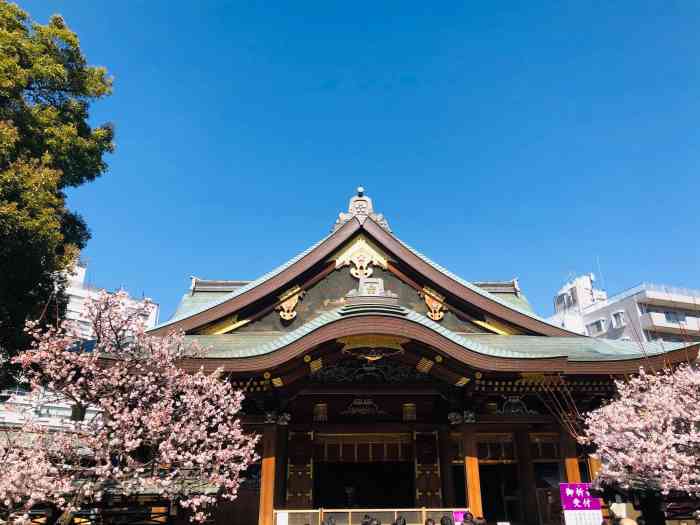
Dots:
{"x": 366, "y": 485}
{"x": 363, "y": 470}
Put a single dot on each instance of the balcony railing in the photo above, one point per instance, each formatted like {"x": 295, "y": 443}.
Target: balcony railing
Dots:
{"x": 658, "y": 322}
{"x": 653, "y": 287}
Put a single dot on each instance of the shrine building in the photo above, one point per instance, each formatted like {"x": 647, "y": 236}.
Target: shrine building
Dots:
{"x": 380, "y": 380}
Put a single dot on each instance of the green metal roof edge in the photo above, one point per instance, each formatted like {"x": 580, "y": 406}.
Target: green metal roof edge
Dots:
{"x": 243, "y": 289}
{"x": 335, "y": 315}
{"x": 474, "y": 287}
{"x": 467, "y": 342}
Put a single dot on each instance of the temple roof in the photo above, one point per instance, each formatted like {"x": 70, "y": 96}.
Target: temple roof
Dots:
{"x": 194, "y": 302}
{"x": 512, "y": 347}
{"x": 204, "y": 293}
{"x": 227, "y": 310}
{"x": 201, "y": 297}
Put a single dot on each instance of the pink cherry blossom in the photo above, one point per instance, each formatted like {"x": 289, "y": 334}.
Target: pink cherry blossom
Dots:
{"x": 648, "y": 438}
{"x": 155, "y": 428}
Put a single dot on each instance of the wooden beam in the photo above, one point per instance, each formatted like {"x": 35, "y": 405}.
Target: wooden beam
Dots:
{"x": 267, "y": 475}
{"x": 471, "y": 470}
{"x": 569, "y": 453}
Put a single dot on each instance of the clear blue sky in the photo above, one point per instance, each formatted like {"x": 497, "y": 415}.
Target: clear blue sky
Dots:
{"x": 501, "y": 140}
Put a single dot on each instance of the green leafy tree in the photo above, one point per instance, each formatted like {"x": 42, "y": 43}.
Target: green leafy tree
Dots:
{"x": 46, "y": 145}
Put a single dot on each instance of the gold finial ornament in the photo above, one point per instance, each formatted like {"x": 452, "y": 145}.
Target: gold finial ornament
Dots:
{"x": 360, "y": 207}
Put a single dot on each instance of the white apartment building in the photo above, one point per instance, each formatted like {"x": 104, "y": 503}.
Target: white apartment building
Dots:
{"x": 46, "y": 409}
{"x": 647, "y": 312}
{"x": 78, "y": 292}
{"x": 43, "y": 408}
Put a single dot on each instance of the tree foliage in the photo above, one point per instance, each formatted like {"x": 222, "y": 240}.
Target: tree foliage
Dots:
{"x": 154, "y": 428}
{"x": 46, "y": 145}
{"x": 648, "y": 438}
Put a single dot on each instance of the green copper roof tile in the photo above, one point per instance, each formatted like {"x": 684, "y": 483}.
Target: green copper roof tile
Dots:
{"x": 512, "y": 347}
{"x": 494, "y": 297}
{"x": 184, "y": 311}
{"x": 518, "y": 301}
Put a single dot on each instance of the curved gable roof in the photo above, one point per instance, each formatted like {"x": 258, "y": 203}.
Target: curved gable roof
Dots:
{"x": 231, "y": 302}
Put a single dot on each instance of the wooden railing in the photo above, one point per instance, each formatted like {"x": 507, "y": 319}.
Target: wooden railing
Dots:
{"x": 415, "y": 516}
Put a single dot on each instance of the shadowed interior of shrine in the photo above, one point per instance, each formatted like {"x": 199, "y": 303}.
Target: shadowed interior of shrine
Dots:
{"x": 366, "y": 485}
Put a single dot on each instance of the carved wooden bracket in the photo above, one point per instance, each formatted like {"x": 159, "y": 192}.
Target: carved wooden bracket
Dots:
{"x": 372, "y": 347}
{"x": 435, "y": 303}
{"x": 424, "y": 365}
{"x": 288, "y": 302}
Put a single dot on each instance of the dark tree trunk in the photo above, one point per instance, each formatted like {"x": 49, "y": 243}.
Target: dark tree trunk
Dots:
{"x": 650, "y": 506}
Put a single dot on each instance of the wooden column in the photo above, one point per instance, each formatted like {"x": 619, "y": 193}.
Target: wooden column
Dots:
{"x": 267, "y": 475}
{"x": 471, "y": 470}
{"x": 594, "y": 466}
{"x": 526, "y": 473}
{"x": 570, "y": 455}
{"x": 445, "y": 444}
{"x": 281, "y": 467}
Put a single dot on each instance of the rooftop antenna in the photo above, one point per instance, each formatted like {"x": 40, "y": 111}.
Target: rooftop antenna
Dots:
{"x": 600, "y": 272}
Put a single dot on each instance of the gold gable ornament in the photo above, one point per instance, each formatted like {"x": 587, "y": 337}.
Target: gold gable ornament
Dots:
{"x": 361, "y": 255}
{"x": 435, "y": 303}
{"x": 372, "y": 347}
{"x": 289, "y": 301}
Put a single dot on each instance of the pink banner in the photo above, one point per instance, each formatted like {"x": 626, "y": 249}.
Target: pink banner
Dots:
{"x": 577, "y": 496}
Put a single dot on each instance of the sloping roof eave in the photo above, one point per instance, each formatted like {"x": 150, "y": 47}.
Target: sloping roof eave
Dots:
{"x": 464, "y": 348}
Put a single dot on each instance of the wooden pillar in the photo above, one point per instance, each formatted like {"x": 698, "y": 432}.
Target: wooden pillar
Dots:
{"x": 281, "y": 467}
{"x": 526, "y": 473}
{"x": 471, "y": 470}
{"x": 445, "y": 444}
{"x": 570, "y": 455}
{"x": 594, "y": 466}
{"x": 267, "y": 475}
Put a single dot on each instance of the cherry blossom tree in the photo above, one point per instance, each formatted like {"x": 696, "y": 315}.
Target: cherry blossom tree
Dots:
{"x": 648, "y": 437}
{"x": 153, "y": 427}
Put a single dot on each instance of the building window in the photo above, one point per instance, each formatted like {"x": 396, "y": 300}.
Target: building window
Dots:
{"x": 566, "y": 300}
{"x": 495, "y": 448}
{"x": 618, "y": 319}
{"x": 409, "y": 411}
{"x": 545, "y": 447}
{"x": 674, "y": 317}
{"x": 596, "y": 327}
{"x": 321, "y": 412}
